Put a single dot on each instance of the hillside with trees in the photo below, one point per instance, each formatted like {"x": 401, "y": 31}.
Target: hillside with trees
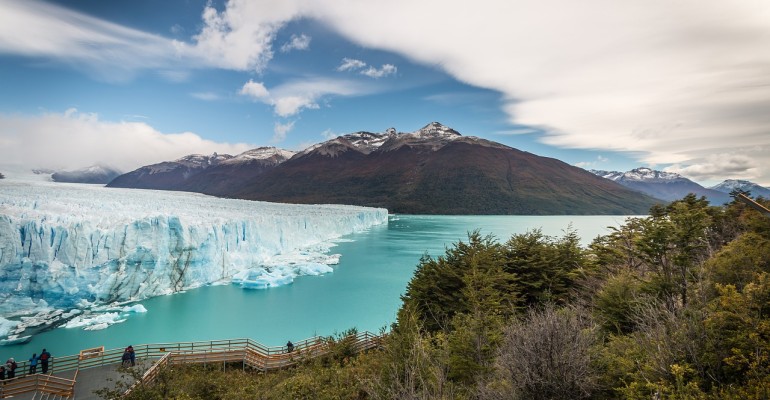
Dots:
{"x": 675, "y": 305}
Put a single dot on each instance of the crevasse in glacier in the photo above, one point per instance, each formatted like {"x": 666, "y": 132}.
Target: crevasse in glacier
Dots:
{"x": 71, "y": 246}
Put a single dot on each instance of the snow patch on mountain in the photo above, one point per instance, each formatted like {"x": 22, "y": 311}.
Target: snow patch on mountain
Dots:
{"x": 269, "y": 154}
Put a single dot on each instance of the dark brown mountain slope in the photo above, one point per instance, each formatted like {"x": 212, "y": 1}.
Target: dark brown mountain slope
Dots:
{"x": 441, "y": 174}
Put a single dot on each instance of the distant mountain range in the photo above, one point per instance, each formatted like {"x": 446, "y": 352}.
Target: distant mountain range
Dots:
{"x": 434, "y": 170}
{"x": 93, "y": 174}
{"x": 742, "y": 185}
{"x": 671, "y": 186}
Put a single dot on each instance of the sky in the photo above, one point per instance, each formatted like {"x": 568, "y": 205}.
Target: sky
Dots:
{"x": 679, "y": 86}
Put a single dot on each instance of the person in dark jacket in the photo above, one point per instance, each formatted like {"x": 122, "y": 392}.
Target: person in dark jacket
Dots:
{"x": 2, "y": 372}
{"x": 45, "y": 357}
{"x": 126, "y": 358}
{"x": 131, "y": 354}
{"x": 10, "y": 368}
{"x": 289, "y": 346}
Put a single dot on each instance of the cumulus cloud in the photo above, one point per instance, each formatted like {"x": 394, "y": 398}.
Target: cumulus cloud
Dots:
{"x": 74, "y": 139}
{"x": 256, "y": 90}
{"x": 240, "y": 36}
{"x": 280, "y": 130}
{"x": 350, "y": 64}
{"x": 301, "y": 42}
{"x": 292, "y": 97}
{"x": 385, "y": 70}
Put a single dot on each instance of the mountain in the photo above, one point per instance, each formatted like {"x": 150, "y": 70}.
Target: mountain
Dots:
{"x": 662, "y": 185}
{"x": 229, "y": 175}
{"x": 729, "y": 185}
{"x": 168, "y": 175}
{"x": 93, "y": 174}
{"x": 436, "y": 170}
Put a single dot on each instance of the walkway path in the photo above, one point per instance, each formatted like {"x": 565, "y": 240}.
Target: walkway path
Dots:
{"x": 97, "y": 368}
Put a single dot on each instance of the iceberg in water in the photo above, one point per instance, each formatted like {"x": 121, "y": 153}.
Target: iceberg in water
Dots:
{"x": 67, "y": 247}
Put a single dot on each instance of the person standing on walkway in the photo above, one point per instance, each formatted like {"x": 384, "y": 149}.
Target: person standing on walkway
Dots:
{"x": 45, "y": 356}
{"x": 33, "y": 364}
{"x": 2, "y": 372}
{"x": 131, "y": 354}
{"x": 10, "y": 368}
{"x": 289, "y": 346}
{"x": 126, "y": 358}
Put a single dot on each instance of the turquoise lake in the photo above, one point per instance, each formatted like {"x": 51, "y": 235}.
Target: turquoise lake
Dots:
{"x": 363, "y": 291}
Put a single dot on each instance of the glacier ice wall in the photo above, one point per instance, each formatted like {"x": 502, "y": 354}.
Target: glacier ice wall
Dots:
{"x": 70, "y": 246}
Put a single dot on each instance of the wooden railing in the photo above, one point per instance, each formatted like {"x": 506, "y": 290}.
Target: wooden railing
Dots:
{"x": 251, "y": 353}
{"x": 40, "y": 383}
{"x": 246, "y": 351}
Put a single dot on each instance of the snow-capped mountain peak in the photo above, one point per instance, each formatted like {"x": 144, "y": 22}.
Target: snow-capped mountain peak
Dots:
{"x": 436, "y": 129}
{"x": 649, "y": 174}
{"x": 202, "y": 161}
{"x": 729, "y": 185}
{"x": 262, "y": 153}
{"x": 641, "y": 174}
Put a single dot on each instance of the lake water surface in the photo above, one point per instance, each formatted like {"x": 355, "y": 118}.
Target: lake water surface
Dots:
{"x": 362, "y": 292}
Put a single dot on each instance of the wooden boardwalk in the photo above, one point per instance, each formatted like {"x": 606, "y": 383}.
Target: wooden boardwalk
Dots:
{"x": 77, "y": 376}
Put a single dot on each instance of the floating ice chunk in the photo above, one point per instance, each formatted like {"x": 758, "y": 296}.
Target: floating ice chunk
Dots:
{"x": 15, "y": 339}
{"x": 6, "y": 326}
{"x": 312, "y": 269}
{"x": 98, "y": 326}
{"x": 261, "y": 278}
{"x": 136, "y": 308}
{"x": 95, "y": 321}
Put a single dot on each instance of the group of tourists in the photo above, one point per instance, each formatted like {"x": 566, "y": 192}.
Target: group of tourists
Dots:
{"x": 129, "y": 357}
{"x": 8, "y": 370}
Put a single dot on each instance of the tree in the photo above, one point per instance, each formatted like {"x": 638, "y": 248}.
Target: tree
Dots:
{"x": 546, "y": 355}
{"x": 437, "y": 290}
{"x": 546, "y": 267}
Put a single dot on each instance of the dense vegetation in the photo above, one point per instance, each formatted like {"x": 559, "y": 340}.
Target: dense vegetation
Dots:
{"x": 675, "y": 305}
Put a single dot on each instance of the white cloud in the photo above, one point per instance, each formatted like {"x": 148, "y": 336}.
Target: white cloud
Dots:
{"x": 592, "y": 164}
{"x": 240, "y": 37}
{"x": 280, "y": 130}
{"x": 291, "y": 105}
{"x": 385, "y": 70}
{"x": 718, "y": 167}
{"x": 301, "y": 42}
{"x": 110, "y": 51}
{"x": 351, "y": 64}
{"x": 328, "y": 134}
{"x": 256, "y": 90}
{"x": 292, "y": 97}
{"x": 74, "y": 140}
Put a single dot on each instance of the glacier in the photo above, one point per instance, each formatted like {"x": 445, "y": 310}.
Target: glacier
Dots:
{"x": 69, "y": 250}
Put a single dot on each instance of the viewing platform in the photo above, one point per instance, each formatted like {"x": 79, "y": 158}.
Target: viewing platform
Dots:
{"x": 78, "y": 376}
